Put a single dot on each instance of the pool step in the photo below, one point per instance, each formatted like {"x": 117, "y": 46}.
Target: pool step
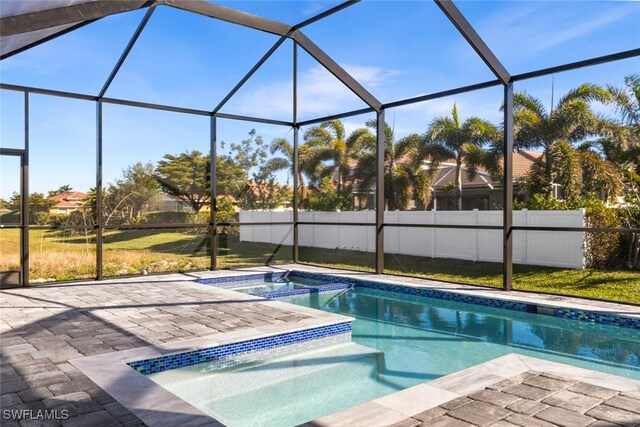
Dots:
{"x": 303, "y": 290}
{"x": 198, "y": 384}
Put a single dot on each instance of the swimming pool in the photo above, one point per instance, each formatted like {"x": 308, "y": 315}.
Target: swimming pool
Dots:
{"x": 399, "y": 339}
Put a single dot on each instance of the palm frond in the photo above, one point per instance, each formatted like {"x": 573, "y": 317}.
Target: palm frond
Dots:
{"x": 587, "y": 92}
{"x": 524, "y": 101}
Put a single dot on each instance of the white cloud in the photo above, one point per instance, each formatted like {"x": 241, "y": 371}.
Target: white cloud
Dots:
{"x": 319, "y": 93}
{"x": 536, "y": 27}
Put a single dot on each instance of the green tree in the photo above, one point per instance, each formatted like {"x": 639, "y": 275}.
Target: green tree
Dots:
{"x": 39, "y": 207}
{"x": 330, "y": 151}
{"x": 261, "y": 190}
{"x": 403, "y": 182}
{"x": 306, "y": 163}
{"x": 447, "y": 138}
{"x": 325, "y": 197}
{"x": 139, "y": 189}
{"x": 576, "y": 168}
{"x": 623, "y": 149}
{"x": 186, "y": 176}
{"x": 61, "y": 190}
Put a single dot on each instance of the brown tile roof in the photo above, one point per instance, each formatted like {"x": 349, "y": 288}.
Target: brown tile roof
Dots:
{"x": 72, "y": 199}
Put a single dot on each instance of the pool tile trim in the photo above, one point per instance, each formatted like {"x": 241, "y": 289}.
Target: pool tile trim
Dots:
{"x": 303, "y": 291}
{"x": 581, "y": 315}
{"x": 194, "y": 357}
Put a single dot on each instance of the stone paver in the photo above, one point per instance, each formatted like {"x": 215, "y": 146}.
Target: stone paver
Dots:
{"x": 547, "y": 383}
{"x": 527, "y": 421}
{"x": 43, "y": 327}
{"x": 572, "y": 401}
{"x": 519, "y": 401}
{"x": 445, "y": 421}
{"x": 593, "y": 390}
{"x": 494, "y": 397}
{"x": 615, "y": 415}
{"x": 564, "y": 417}
{"x": 626, "y": 403}
{"x": 527, "y": 407}
{"x": 479, "y": 413}
{"x": 528, "y": 392}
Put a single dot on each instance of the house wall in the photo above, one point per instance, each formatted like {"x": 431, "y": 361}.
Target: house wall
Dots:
{"x": 546, "y": 248}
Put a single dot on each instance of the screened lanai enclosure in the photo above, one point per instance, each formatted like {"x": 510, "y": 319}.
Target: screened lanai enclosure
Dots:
{"x": 481, "y": 142}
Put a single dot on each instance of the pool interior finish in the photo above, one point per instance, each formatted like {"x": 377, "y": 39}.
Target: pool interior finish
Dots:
{"x": 398, "y": 341}
{"x": 256, "y": 287}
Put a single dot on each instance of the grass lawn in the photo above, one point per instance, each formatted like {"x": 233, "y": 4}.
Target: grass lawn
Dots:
{"x": 56, "y": 256}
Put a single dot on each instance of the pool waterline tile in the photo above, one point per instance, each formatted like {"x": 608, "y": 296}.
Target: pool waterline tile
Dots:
{"x": 341, "y": 282}
{"x": 226, "y": 351}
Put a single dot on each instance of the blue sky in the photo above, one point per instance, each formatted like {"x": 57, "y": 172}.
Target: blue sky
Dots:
{"x": 396, "y": 49}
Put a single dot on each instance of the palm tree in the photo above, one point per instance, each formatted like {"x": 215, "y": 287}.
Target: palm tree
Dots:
{"x": 624, "y": 148}
{"x": 308, "y": 161}
{"x": 570, "y": 122}
{"x": 327, "y": 142}
{"x": 449, "y": 139}
{"x": 402, "y": 181}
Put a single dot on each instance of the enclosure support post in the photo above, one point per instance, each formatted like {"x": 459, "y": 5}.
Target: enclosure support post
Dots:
{"x": 296, "y": 164}
{"x": 380, "y": 192}
{"x": 507, "y": 197}
{"x": 213, "y": 226}
{"x": 24, "y": 208}
{"x": 296, "y": 167}
{"x": 99, "y": 216}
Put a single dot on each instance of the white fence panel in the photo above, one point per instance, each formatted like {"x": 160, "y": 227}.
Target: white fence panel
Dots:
{"x": 547, "y": 248}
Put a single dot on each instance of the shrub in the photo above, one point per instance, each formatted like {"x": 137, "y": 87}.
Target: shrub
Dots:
{"x": 602, "y": 250}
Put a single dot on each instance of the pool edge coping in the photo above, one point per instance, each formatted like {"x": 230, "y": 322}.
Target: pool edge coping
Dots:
{"x": 397, "y": 407}
{"x": 155, "y": 405}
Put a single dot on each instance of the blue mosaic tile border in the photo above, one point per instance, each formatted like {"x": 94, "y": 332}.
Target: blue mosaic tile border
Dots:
{"x": 269, "y": 277}
{"x": 599, "y": 318}
{"x": 567, "y": 313}
{"x": 174, "y": 361}
{"x": 425, "y": 292}
{"x": 303, "y": 291}
{"x": 574, "y": 314}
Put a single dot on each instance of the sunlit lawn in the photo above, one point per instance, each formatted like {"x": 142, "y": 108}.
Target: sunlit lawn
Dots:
{"x": 55, "y": 256}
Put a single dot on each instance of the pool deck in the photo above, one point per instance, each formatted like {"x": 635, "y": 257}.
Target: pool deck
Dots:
{"x": 512, "y": 390}
{"x": 44, "y": 327}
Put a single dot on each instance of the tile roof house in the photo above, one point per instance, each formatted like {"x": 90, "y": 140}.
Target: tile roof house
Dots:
{"x": 483, "y": 192}
{"x": 67, "y": 202}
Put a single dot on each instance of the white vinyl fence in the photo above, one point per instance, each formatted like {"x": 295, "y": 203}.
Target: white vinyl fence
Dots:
{"x": 547, "y": 248}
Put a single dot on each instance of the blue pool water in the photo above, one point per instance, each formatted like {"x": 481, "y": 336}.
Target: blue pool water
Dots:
{"x": 424, "y": 338}
{"x": 398, "y": 341}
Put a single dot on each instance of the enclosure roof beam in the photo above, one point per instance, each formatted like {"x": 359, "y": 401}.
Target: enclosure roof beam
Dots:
{"x": 578, "y": 64}
{"x": 127, "y": 50}
{"x": 227, "y": 14}
{"x": 35, "y": 42}
{"x": 253, "y": 119}
{"x": 326, "y": 13}
{"x": 469, "y": 33}
{"x": 72, "y": 14}
{"x": 251, "y": 72}
{"x": 335, "y": 69}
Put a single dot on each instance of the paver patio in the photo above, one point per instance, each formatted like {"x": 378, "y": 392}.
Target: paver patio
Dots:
{"x": 535, "y": 399}
{"x": 44, "y": 327}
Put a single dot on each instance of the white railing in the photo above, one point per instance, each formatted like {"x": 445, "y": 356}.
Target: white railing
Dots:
{"x": 547, "y": 248}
